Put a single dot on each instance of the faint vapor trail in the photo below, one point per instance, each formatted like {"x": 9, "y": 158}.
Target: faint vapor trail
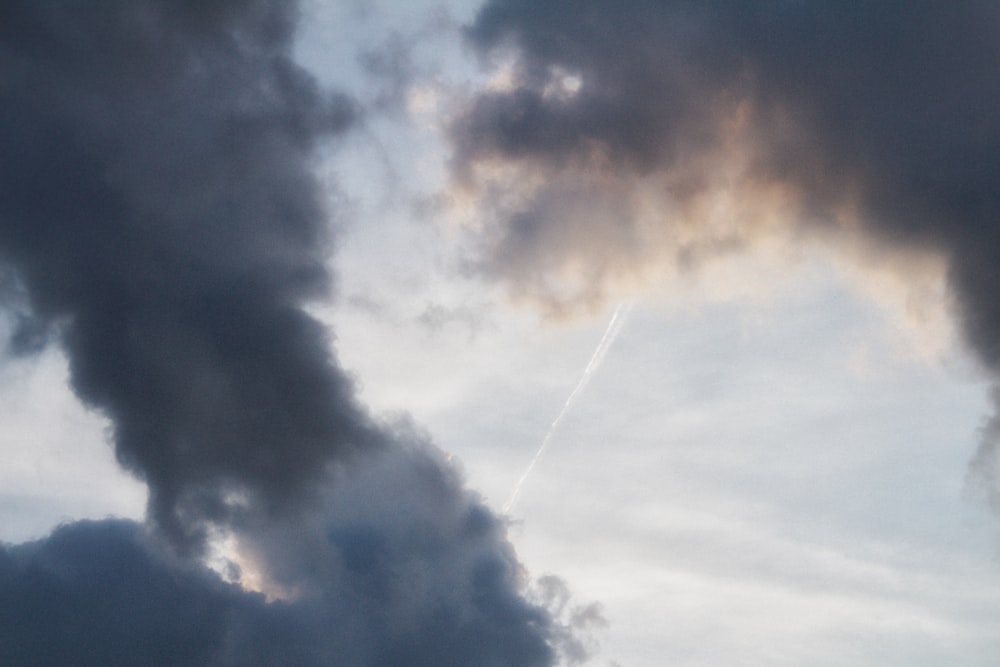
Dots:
{"x": 614, "y": 327}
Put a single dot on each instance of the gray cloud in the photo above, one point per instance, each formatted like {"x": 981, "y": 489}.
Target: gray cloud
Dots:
{"x": 888, "y": 105}
{"x": 880, "y": 116}
{"x": 160, "y": 218}
{"x": 95, "y": 594}
{"x": 160, "y": 212}
{"x": 436, "y": 317}
{"x": 409, "y": 567}
{"x": 398, "y": 566}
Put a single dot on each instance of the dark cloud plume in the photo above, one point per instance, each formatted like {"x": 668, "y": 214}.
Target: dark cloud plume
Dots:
{"x": 400, "y": 567}
{"x": 873, "y": 115}
{"x": 159, "y": 210}
{"x": 887, "y": 105}
{"x": 95, "y": 594}
{"x": 160, "y": 219}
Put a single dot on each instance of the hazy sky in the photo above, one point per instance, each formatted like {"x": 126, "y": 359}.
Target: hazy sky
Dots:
{"x": 293, "y": 299}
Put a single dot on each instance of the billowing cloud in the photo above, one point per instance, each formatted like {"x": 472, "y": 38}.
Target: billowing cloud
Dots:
{"x": 877, "y": 115}
{"x": 617, "y": 138}
{"x": 160, "y": 219}
{"x": 161, "y": 216}
{"x": 398, "y": 566}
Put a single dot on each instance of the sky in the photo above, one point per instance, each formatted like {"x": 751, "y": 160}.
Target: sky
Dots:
{"x": 499, "y": 333}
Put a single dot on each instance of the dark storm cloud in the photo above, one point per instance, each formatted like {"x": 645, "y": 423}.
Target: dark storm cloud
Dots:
{"x": 396, "y": 564}
{"x": 64, "y": 599}
{"x": 401, "y": 568}
{"x": 159, "y": 209}
{"x": 884, "y": 109}
{"x": 890, "y": 102}
{"x": 160, "y": 218}
{"x": 409, "y": 569}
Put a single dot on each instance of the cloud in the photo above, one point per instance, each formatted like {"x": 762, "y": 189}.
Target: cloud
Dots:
{"x": 161, "y": 215}
{"x": 618, "y": 140}
{"x": 161, "y": 219}
{"x": 398, "y": 565}
{"x": 93, "y": 593}
{"x": 707, "y": 125}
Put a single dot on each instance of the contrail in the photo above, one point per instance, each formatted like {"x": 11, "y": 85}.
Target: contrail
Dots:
{"x": 614, "y": 327}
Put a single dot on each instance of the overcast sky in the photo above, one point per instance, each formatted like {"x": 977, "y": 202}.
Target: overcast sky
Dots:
{"x": 503, "y": 333}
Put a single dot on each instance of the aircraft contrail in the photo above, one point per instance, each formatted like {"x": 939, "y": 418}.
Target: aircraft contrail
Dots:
{"x": 614, "y": 327}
